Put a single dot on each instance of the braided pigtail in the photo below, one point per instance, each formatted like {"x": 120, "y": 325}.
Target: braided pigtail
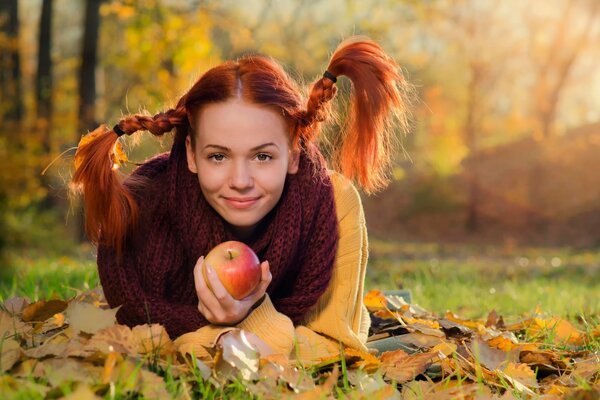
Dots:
{"x": 379, "y": 104}
{"x": 110, "y": 209}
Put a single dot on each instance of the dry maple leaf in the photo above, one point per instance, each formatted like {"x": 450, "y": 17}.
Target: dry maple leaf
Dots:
{"x": 401, "y": 367}
{"x": 522, "y": 373}
{"x": 85, "y": 317}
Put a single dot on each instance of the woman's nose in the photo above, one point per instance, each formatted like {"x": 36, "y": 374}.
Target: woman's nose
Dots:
{"x": 241, "y": 176}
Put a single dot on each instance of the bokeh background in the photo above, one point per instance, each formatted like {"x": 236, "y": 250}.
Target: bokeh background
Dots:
{"x": 504, "y": 149}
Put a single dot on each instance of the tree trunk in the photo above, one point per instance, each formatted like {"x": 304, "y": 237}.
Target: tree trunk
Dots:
{"x": 10, "y": 64}
{"x": 43, "y": 84}
{"x": 87, "y": 88}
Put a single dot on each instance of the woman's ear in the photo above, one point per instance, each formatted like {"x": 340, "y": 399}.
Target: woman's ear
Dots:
{"x": 191, "y": 155}
{"x": 294, "y": 161}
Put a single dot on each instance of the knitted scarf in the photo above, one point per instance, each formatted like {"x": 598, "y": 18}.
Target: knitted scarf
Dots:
{"x": 154, "y": 283}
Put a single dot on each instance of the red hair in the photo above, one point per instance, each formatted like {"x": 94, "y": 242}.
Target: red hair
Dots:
{"x": 378, "y": 98}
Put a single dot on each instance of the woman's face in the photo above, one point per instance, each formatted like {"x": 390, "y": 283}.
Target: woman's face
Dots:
{"x": 242, "y": 157}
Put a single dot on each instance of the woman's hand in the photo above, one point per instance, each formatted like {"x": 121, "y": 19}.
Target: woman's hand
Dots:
{"x": 218, "y": 306}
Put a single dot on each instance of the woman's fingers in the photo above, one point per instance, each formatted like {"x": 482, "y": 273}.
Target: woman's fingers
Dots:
{"x": 266, "y": 276}
{"x": 261, "y": 288}
{"x": 220, "y": 293}
{"x": 205, "y": 295}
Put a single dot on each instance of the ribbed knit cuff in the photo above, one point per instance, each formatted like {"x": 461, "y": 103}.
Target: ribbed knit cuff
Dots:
{"x": 273, "y": 327}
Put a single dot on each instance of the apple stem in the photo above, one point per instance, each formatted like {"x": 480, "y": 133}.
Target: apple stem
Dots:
{"x": 230, "y": 254}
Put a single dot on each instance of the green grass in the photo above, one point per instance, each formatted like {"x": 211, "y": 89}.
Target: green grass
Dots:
{"x": 39, "y": 276}
{"x": 467, "y": 280}
{"x": 473, "y": 281}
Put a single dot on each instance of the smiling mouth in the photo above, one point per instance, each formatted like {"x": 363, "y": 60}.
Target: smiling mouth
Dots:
{"x": 241, "y": 203}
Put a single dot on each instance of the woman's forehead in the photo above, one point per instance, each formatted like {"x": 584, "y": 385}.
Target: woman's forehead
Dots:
{"x": 240, "y": 123}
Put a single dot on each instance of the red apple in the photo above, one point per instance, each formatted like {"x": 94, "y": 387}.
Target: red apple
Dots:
{"x": 237, "y": 267}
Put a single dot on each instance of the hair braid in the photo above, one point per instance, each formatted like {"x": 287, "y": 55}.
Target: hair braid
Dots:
{"x": 111, "y": 210}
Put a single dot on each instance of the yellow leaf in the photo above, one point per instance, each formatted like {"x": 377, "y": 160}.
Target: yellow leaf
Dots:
{"x": 367, "y": 361}
{"x": 443, "y": 350}
{"x": 429, "y": 323}
{"x": 375, "y": 300}
{"x": 522, "y": 373}
{"x": 558, "y": 329}
{"x": 468, "y": 323}
{"x": 109, "y": 366}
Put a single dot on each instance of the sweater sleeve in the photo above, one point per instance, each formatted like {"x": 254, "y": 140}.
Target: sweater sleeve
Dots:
{"x": 339, "y": 315}
{"x": 122, "y": 287}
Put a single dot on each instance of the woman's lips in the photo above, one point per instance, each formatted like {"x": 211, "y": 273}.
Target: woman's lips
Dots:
{"x": 241, "y": 202}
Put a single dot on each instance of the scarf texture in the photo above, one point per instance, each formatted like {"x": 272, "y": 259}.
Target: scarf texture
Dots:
{"x": 154, "y": 282}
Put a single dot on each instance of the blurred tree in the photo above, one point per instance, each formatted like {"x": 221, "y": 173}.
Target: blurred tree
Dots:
{"x": 43, "y": 87}
{"x": 554, "y": 54}
{"x": 10, "y": 63}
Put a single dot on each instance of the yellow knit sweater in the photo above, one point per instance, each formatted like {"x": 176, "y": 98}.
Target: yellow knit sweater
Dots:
{"x": 339, "y": 315}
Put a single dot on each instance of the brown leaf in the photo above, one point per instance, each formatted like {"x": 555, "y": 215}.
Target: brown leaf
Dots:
{"x": 118, "y": 338}
{"x": 402, "y": 367}
{"x": 419, "y": 339}
{"x": 152, "y": 339}
{"x": 323, "y": 390}
{"x": 10, "y": 353}
{"x": 10, "y": 326}
{"x": 489, "y": 357}
{"x": 85, "y": 317}
{"x": 15, "y": 305}
{"x": 40, "y": 311}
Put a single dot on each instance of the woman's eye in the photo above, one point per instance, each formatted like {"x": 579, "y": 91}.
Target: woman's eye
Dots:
{"x": 263, "y": 157}
{"x": 216, "y": 157}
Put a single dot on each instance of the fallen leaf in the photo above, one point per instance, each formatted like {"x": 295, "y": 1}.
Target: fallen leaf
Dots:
{"x": 84, "y": 317}
{"x": 40, "y": 311}
{"x": 15, "y": 305}
{"x": 11, "y": 326}
{"x": 444, "y": 349}
{"x": 366, "y": 361}
{"x": 465, "y": 322}
{"x": 152, "y": 339}
{"x": 323, "y": 390}
{"x": 522, "y": 373}
{"x": 560, "y": 330}
{"x": 118, "y": 338}
{"x": 10, "y": 353}
{"x": 401, "y": 367}
{"x": 419, "y": 339}
{"x": 489, "y": 357}
{"x": 375, "y": 300}
{"x": 240, "y": 352}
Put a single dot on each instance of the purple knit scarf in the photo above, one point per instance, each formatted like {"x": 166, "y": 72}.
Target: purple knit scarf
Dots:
{"x": 298, "y": 237}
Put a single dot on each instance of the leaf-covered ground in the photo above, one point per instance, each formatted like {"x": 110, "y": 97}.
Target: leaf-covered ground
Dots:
{"x": 73, "y": 349}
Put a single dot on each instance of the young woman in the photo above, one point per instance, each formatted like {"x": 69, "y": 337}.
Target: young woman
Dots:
{"x": 245, "y": 166}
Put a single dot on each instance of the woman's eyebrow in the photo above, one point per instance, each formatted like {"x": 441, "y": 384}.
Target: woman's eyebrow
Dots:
{"x": 223, "y": 148}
